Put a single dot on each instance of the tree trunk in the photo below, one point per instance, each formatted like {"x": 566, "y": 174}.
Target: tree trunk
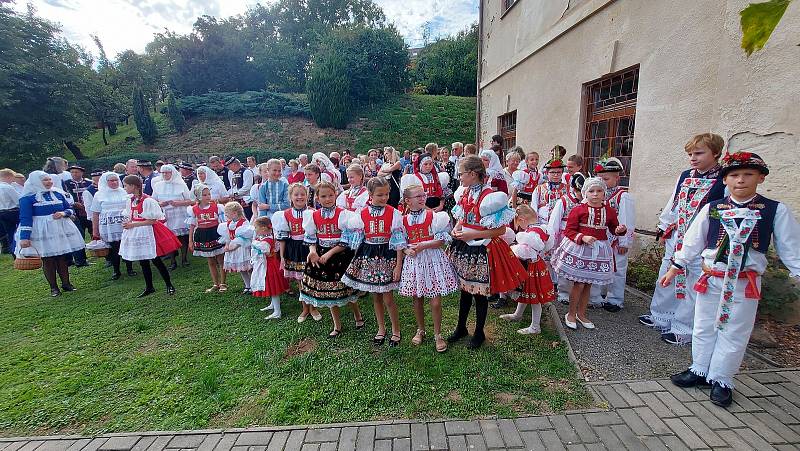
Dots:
{"x": 105, "y": 141}
{"x": 112, "y": 128}
{"x": 72, "y": 147}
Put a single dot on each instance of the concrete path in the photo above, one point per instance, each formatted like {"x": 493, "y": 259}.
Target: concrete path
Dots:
{"x": 641, "y": 415}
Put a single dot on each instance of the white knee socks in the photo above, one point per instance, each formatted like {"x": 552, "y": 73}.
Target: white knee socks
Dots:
{"x": 536, "y": 317}
{"x": 246, "y": 279}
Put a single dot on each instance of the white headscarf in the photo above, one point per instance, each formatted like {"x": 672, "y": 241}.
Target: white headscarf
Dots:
{"x": 211, "y": 176}
{"x": 592, "y": 182}
{"x": 326, "y": 164}
{"x": 33, "y": 185}
{"x": 105, "y": 193}
{"x": 495, "y": 169}
{"x": 176, "y": 181}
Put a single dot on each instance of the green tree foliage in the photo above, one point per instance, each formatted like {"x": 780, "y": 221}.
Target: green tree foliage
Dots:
{"x": 175, "y": 115}
{"x": 328, "y": 91}
{"x": 244, "y": 104}
{"x": 104, "y": 95}
{"x": 758, "y": 22}
{"x": 449, "y": 65}
{"x": 141, "y": 115}
{"x": 42, "y": 85}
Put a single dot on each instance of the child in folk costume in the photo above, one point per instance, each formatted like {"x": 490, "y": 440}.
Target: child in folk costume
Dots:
{"x": 731, "y": 236}
{"x": 618, "y": 198}
{"x": 585, "y": 256}
{"x": 526, "y": 179}
{"x": 432, "y": 182}
{"x": 267, "y": 280}
{"x": 537, "y": 289}
{"x": 427, "y": 273}
{"x": 494, "y": 171}
{"x": 273, "y": 194}
{"x": 288, "y": 228}
{"x": 672, "y": 308}
{"x": 376, "y": 235}
{"x": 204, "y": 219}
{"x": 328, "y": 258}
{"x": 236, "y": 234}
{"x": 144, "y": 237}
{"x": 544, "y": 196}
{"x": 313, "y": 177}
{"x": 327, "y": 170}
{"x": 558, "y": 223}
{"x": 483, "y": 262}
{"x": 355, "y": 197}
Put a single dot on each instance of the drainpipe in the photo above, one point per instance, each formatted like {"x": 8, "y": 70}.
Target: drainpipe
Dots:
{"x": 480, "y": 70}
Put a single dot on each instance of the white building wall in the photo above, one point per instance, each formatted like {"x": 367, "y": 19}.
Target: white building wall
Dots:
{"x": 693, "y": 78}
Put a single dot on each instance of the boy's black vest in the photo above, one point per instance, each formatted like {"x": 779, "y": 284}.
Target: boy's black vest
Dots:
{"x": 715, "y": 193}
{"x": 760, "y": 237}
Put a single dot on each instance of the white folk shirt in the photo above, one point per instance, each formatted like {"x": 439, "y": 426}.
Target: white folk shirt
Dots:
{"x": 626, "y": 214}
{"x": 9, "y": 197}
{"x": 786, "y": 239}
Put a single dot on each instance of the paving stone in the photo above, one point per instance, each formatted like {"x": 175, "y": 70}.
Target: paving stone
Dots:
{"x": 673, "y": 404}
{"x": 564, "y": 429}
{"x": 609, "y": 394}
{"x": 161, "y": 442}
{"x": 753, "y": 439}
{"x": 768, "y": 377}
{"x": 651, "y": 419}
{"x": 745, "y": 404}
{"x": 785, "y": 392}
{"x": 603, "y": 418}
{"x": 462, "y": 427}
{"x": 674, "y": 443}
{"x": 278, "y": 440}
{"x": 686, "y": 435}
{"x": 655, "y": 404}
{"x": 625, "y": 435}
{"x": 786, "y": 447}
{"x": 457, "y": 442}
{"x": 401, "y": 444}
{"x": 122, "y": 443}
{"x": 760, "y": 428}
{"x": 186, "y": 441}
{"x": 50, "y": 445}
{"x": 532, "y": 440}
{"x": 533, "y": 423}
{"x": 142, "y": 444}
{"x": 208, "y": 443}
{"x": 33, "y": 444}
{"x": 392, "y": 431}
{"x": 784, "y": 414}
{"x": 322, "y": 435}
{"x": 723, "y": 415}
{"x": 253, "y": 439}
{"x": 327, "y": 446}
{"x": 510, "y": 434}
{"x": 634, "y": 421}
{"x": 240, "y": 448}
{"x": 491, "y": 434}
{"x": 15, "y": 446}
{"x": 760, "y": 389}
{"x": 365, "y": 439}
{"x": 631, "y": 398}
{"x": 295, "y": 440}
{"x": 81, "y": 443}
{"x": 609, "y": 439}
{"x": 644, "y": 387}
{"x": 780, "y": 428}
{"x": 578, "y": 447}
{"x": 793, "y": 376}
{"x": 437, "y": 437}
{"x": 595, "y": 447}
{"x": 683, "y": 394}
{"x": 310, "y": 447}
{"x": 95, "y": 444}
{"x": 581, "y": 426}
{"x": 419, "y": 436}
{"x": 551, "y": 441}
{"x": 706, "y": 434}
{"x": 734, "y": 440}
{"x": 475, "y": 442}
{"x": 654, "y": 444}
{"x": 347, "y": 439}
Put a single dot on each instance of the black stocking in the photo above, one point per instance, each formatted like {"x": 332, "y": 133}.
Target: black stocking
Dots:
{"x": 481, "y": 309}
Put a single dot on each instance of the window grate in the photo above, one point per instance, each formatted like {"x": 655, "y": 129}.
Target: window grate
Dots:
{"x": 507, "y": 126}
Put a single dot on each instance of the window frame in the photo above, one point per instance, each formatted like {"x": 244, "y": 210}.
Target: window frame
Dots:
{"x": 506, "y": 6}
{"x": 507, "y": 131}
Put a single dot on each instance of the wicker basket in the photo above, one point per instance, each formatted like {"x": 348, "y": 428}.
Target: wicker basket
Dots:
{"x": 28, "y": 263}
{"x": 99, "y": 253}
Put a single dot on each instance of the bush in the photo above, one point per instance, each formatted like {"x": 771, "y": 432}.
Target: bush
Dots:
{"x": 141, "y": 115}
{"x": 328, "y": 91}
{"x": 175, "y": 115}
{"x": 245, "y": 104}
{"x": 642, "y": 277}
{"x": 778, "y": 290}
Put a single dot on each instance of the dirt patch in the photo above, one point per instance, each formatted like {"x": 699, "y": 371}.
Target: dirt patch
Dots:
{"x": 785, "y": 350}
{"x": 301, "y": 347}
{"x": 248, "y": 413}
{"x": 520, "y": 404}
{"x": 453, "y": 396}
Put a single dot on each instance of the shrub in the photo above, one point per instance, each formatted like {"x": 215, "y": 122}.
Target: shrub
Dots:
{"x": 175, "y": 115}
{"x": 141, "y": 114}
{"x": 245, "y": 104}
{"x": 328, "y": 91}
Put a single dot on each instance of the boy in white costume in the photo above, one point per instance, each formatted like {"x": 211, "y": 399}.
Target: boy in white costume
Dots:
{"x": 732, "y": 236}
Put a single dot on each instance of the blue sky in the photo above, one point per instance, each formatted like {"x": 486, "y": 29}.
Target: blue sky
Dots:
{"x": 130, "y": 24}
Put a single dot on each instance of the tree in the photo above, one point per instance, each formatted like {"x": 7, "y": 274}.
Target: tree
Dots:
{"x": 141, "y": 115}
{"x": 104, "y": 95}
{"x": 449, "y": 65}
{"x": 175, "y": 115}
{"x": 328, "y": 91}
{"x": 42, "y": 87}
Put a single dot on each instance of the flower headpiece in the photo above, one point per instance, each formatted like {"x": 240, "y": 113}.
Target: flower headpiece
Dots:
{"x": 608, "y": 164}
{"x": 743, "y": 160}
{"x": 555, "y": 163}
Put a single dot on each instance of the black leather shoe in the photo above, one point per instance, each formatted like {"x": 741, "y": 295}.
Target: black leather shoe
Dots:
{"x": 501, "y": 302}
{"x": 146, "y": 292}
{"x": 609, "y": 307}
{"x": 132, "y": 273}
{"x": 173, "y": 266}
{"x": 116, "y": 276}
{"x": 170, "y": 290}
{"x": 457, "y": 335}
{"x": 688, "y": 379}
{"x": 476, "y": 341}
{"x": 646, "y": 320}
{"x": 68, "y": 288}
{"x": 721, "y": 396}
{"x": 55, "y": 292}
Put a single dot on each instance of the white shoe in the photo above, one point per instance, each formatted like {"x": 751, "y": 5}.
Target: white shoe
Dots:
{"x": 274, "y": 316}
{"x": 586, "y": 325}
{"x": 572, "y": 325}
{"x": 529, "y": 331}
{"x": 301, "y": 318}
{"x": 269, "y": 307}
{"x": 510, "y": 317}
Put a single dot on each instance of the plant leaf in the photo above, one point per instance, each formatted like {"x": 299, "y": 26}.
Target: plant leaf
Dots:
{"x": 758, "y": 21}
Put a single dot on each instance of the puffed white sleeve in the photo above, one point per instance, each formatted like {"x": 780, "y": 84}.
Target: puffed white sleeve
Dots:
{"x": 259, "y": 247}
{"x": 441, "y": 227}
{"x": 398, "y": 239}
{"x": 222, "y": 230}
{"x": 280, "y": 225}
{"x": 151, "y": 210}
{"x": 361, "y": 200}
{"x": 694, "y": 241}
{"x": 786, "y": 233}
{"x": 556, "y": 215}
{"x": 96, "y": 206}
{"x": 221, "y": 212}
{"x": 341, "y": 200}
{"x": 126, "y": 212}
{"x": 520, "y": 179}
{"x": 494, "y": 210}
{"x": 353, "y": 230}
{"x": 508, "y": 236}
{"x": 444, "y": 178}
{"x": 627, "y": 217}
{"x": 408, "y": 180}
{"x": 309, "y": 227}
{"x": 325, "y": 177}
{"x": 190, "y": 218}
{"x": 244, "y": 234}
{"x": 457, "y": 211}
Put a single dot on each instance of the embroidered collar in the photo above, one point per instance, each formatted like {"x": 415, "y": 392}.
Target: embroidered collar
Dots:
{"x": 553, "y": 185}
{"x": 375, "y": 210}
{"x": 709, "y": 174}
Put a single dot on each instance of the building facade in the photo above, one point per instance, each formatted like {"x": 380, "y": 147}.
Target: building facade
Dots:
{"x": 637, "y": 79}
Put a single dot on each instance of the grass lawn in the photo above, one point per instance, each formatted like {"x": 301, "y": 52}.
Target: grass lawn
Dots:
{"x": 99, "y": 360}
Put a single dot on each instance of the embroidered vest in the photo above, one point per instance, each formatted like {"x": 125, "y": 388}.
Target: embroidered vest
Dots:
{"x": 206, "y": 217}
{"x": 613, "y": 200}
{"x": 472, "y": 214}
{"x": 232, "y": 233}
{"x": 295, "y": 224}
{"x": 327, "y": 229}
{"x": 548, "y": 197}
{"x": 432, "y": 188}
{"x": 421, "y": 232}
{"x": 238, "y": 179}
{"x": 378, "y": 226}
{"x": 136, "y": 210}
{"x": 715, "y": 193}
{"x": 350, "y": 198}
{"x": 761, "y": 236}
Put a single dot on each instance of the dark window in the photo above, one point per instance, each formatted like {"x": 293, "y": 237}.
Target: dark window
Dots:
{"x": 610, "y": 112}
{"x": 507, "y": 126}
{"x": 507, "y": 4}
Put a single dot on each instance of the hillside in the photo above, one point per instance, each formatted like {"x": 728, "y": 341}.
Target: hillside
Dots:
{"x": 404, "y": 122}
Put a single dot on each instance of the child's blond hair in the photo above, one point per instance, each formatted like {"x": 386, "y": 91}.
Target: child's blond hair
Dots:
{"x": 714, "y": 142}
{"x": 198, "y": 191}
{"x": 262, "y": 222}
{"x": 273, "y": 161}
{"x": 295, "y": 186}
{"x": 410, "y": 189}
{"x": 525, "y": 211}
{"x": 234, "y": 207}
{"x": 375, "y": 183}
